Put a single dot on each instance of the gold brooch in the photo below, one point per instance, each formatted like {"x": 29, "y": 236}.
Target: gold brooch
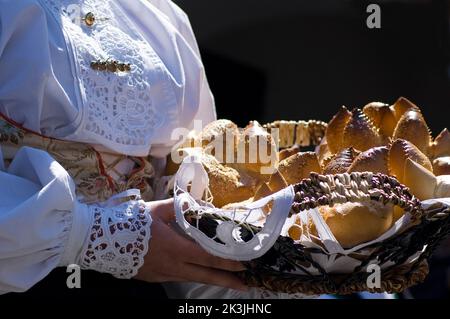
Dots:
{"x": 90, "y": 19}
{"x": 110, "y": 66}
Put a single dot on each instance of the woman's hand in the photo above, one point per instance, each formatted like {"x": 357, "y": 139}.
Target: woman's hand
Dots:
{"x": 174, "y": 258}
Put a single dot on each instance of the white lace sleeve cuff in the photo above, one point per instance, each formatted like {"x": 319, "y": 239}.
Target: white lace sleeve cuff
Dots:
{"x": 118, "y": 239}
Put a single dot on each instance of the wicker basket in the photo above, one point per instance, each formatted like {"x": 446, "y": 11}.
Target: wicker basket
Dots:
{"x": 292, "y": 267}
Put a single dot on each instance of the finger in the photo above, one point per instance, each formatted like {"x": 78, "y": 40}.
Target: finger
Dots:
{"x": 191, "y": 252}
{"x": 198, "y": 256}
{"x": 214, "y": 277}
{"x": 160, "y": 278}
{"x": 163, "y": 209}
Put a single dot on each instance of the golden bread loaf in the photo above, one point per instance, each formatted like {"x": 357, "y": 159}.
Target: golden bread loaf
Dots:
{"x": 351, "y": 223}
{"x": 401, "y": 150}
{"x": 420, "y": 181}
{"x": 299, "y": 166}
{"x": 335, "y": 130}
{"x": 413, "y": 128}
{"x": 341, "y": 162}
{"x": 220, "y": 138}
{"x": 257, "y": 151}
{"x": 401, "y": 106}
{"x": 287, "y": 152}
{"x": 356, "y": 223}
{"x": 225, "y": 183}
{"x": 360, "y": 133}
{"x": 382, "y": 116}
{"x": 323, "y": 152}
{"x": 373, "y": 160}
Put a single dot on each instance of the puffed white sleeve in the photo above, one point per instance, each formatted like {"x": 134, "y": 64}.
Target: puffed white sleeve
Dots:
{"x": 43, "y": 226}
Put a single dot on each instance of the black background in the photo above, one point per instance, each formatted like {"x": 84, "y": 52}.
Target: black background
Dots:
{"x": 290, "y": 59}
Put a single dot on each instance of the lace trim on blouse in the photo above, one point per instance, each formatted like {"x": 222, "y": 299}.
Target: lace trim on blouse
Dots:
{"x": 118, "y": 239}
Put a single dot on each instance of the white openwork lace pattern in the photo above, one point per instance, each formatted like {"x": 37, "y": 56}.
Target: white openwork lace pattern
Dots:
{"x": 118, "y": 106}
{"x": 118, "y": 239}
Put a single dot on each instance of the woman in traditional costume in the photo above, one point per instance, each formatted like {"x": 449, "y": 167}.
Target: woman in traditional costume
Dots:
{"x": 90, "y": 93}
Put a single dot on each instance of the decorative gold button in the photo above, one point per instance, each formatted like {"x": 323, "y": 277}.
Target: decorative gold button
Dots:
{"x": 110, "y": 66}
{"x": 89, "y": 19}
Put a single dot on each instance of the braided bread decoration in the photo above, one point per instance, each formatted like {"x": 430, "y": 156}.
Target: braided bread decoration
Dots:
{"x": 302, "y": 133}
{"x": 321, "y": 190}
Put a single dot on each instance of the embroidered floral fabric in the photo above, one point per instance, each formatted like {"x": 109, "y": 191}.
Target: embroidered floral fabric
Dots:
{"x": 83, "y": 163}
{"x": 118, "y": 240}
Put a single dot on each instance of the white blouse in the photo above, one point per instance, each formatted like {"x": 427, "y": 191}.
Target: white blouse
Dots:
{"x": 47, "y": 83}
{"x": 48, "y": 86}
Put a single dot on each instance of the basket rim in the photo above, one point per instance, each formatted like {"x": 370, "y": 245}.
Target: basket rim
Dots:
{"x": 432, "y": 227}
